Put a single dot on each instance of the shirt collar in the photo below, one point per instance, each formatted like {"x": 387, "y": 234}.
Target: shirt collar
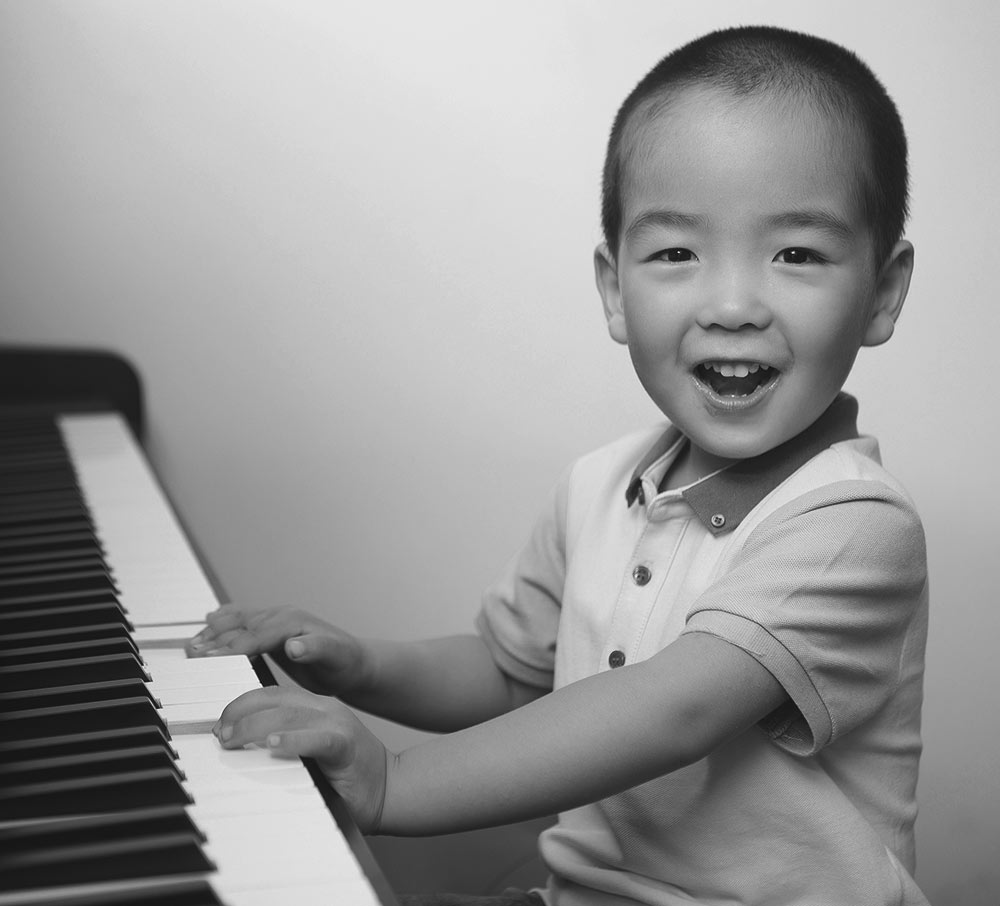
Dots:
{"x": 723, "y": 500}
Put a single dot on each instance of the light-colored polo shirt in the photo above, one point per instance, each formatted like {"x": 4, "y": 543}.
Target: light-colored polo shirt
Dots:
{"x": 811, "y": 558}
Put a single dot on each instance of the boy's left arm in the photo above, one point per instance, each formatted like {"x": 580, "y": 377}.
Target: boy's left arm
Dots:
{"x": 581, "y": 743}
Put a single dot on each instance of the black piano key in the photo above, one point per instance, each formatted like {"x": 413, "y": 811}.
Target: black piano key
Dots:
{"x": 117, "y": 860}
{"x": 63, "y": 634}
{"x": 86, "y": 795}
{"x": 37, "y": 654}
{"x": 40, "y": 528}
{"x": 80, "y": 743}
{"x": 53, "y": 696}
{"x": 65, "y": 672}
{"x": 34, "y": 586}
{"x": 183, "y": 892}
{"x": 55, "y": 557}
{"x": 43, "y": 502}
{"x": 61, "y": 599}
{"x": 65, "y": 616}
{"x": 37, "y": 480}
{"x": 49, "y": 543}
{"x": 52, "y": 566}
{"x": 116, "y": 714}
{"x": 33, "y": 514}
{"x": 169, "y": 819}
{"x": 93, "y": 764}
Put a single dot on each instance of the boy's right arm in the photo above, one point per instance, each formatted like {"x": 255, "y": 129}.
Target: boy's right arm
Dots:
{"x": 440, "y": 685}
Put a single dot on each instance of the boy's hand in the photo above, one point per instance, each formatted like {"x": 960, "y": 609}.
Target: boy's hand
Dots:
{"x": 316, "y": 654}
{"x": 293, "y": 723}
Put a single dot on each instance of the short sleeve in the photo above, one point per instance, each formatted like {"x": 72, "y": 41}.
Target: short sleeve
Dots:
{"x": 825, "y": 594}
{"x": 519, "y": 617}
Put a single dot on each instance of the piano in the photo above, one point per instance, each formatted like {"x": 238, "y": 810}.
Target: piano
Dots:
{"x": 112, "y": 788}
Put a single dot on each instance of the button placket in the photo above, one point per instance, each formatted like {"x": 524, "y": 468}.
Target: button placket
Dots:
{"x": 639, "y": 593}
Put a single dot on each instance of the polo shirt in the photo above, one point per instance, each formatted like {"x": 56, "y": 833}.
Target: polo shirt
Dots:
{"x": 810, "y": 558}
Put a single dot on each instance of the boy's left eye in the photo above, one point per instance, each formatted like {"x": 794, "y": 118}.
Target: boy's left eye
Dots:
{"x": 797, "y": 255}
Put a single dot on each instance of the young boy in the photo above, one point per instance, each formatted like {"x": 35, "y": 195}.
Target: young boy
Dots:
{"x": 708, "y": 657}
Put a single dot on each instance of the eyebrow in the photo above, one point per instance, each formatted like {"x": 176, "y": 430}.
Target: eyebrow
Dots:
{"x": 824, "y": 221}
{"x": 834, "y": 226}
{"x": 653, "y": 219}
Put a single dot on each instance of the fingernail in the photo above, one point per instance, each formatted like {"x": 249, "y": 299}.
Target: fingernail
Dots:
{"x": 296, "y": 648}
{"x": 226, "y": 732}
{"x": 273, "y": 741}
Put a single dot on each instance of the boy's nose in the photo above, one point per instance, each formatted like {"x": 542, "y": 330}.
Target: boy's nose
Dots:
{"x": 735, "y": 300}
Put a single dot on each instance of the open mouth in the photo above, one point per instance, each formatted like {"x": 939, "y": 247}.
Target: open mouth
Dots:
{"x": 735, "y": 379}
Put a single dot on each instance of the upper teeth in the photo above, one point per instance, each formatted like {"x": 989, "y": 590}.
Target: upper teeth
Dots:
{"x": 736, "y": 369}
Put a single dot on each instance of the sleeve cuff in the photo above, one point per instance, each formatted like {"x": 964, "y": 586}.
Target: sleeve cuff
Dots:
{"x": 514, "y": 667}
{"x": 802, "y": 728}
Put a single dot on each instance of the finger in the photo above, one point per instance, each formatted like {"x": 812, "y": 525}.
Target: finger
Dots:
{"x": 258, "y": 727}
{"x": 317, "y": 646}
{"x": 218, "y": 624}
{"x": 259, "y": 700}
{"x": 230, "y": 616}
{"x": 326, "y": 743}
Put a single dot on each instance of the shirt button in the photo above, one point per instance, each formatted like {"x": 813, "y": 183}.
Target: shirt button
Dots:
{"x": 616, "y": 658}
{"x": 641, "y": 575}
{"x": 718, "y": 520}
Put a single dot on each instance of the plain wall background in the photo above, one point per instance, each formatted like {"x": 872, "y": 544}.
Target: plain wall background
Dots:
{"x": 348, "y": 247}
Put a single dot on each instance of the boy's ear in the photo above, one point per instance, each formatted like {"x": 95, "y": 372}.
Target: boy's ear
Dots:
{"x": 606, "y": 275}
{"x": 890, "y": 293}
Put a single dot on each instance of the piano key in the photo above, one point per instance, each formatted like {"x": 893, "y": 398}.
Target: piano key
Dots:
{"x": 60, "y": 673}
{"x": 177, "y": 853}
{"x": 151, "y": 892}
{"x": 53, "y": 696}
{"x": 159, "y": 582}
{"x": 103, "y": 793}
{"x": 158, "y": 573}
{"x": 65, "y": 635}
{"x": 89, "y": 741}
{"x": 112, "y": 826}
{"x": 29, "y": 654}
{"x": 44, "y": 583}
{"x": 92, "y": 764}
{"x": 80, "y": 717}
{"x": 65, "y": 616}
{"x": 57, "y": 566}
{"x": 167, "y": 635}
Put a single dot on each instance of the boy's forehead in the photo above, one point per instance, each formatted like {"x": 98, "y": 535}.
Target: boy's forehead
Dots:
{"x": 674, "y": 141}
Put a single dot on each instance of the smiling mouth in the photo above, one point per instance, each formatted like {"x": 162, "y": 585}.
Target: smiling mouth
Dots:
{"x": 735, "y": 379}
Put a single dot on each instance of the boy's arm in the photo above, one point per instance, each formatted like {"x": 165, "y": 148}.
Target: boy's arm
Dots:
{"x": 439, "y": 685}
{"x": 581, "y": 743}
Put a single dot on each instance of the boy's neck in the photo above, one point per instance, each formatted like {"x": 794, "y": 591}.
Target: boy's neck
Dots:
{"x": 691, "y": 465}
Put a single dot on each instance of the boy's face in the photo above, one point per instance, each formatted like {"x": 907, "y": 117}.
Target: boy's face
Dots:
{"x": 745, "y": 281}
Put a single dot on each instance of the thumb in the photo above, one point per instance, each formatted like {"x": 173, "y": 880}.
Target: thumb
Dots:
{"x": 312, "y": 647}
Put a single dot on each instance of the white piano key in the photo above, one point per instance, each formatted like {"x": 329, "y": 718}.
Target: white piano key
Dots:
{"x": 350, "y": 893}
{"x": 270, "y": 834}
{"x": 188, "y": 695}
{"x": 167, "y": 636}
{"x": 169, "y": 669}
{"x": 305, "y": 846}
{"x": 157, "y": 572}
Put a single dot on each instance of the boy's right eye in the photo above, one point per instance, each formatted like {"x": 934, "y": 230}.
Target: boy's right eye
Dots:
{"x": 675, "y": 255}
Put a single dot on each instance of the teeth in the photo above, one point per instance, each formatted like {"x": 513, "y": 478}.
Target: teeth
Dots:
{"x": 737, "y": 369}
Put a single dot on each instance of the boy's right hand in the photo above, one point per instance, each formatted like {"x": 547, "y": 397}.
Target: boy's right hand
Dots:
{"x": 316, "y": 654}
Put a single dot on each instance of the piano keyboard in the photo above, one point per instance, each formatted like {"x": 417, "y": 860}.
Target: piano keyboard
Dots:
{"x": 112, "y": 790}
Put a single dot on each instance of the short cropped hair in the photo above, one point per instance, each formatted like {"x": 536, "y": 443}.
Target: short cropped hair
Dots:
{"x": 756, "y": 60}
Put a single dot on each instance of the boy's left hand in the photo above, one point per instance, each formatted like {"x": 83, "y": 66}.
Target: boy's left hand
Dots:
{"x": 292, "y": 722}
